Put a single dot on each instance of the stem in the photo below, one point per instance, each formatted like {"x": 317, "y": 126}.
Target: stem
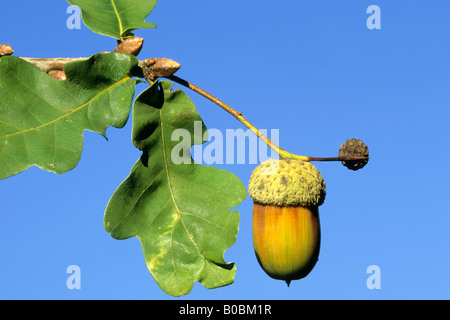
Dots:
{"x": 238, "y": 115}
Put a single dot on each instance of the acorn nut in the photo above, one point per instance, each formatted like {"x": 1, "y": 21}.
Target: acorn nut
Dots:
{"x": 286, "y": 195}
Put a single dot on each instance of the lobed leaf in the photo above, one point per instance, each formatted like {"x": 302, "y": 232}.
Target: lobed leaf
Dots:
{"x": 115, "y": 18}
{"x": 42, "y": 119}
{"x": 179, "y": 212}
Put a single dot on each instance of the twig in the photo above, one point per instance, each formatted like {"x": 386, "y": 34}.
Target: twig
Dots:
{"x": 48, "y": 64}
{"x": 238, "y": 115}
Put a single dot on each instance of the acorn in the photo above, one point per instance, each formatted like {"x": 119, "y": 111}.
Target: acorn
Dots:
{"x": 286, "y": 195}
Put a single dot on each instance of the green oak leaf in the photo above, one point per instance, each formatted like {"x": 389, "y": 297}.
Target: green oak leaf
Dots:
{"x": 42, "y": 119}
{"x": 115, "y": 18}
{"x": 180, "y": 212}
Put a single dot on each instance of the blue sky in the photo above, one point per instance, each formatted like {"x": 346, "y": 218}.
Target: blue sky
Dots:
{"x": 311, "y": 69}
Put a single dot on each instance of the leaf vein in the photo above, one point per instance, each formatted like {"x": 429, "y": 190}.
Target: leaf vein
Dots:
{"x": 118, "y": 18}
{"x": 74, "y": 110}
{"x": 133, "y": 206}
{"x": 201, "y": 218}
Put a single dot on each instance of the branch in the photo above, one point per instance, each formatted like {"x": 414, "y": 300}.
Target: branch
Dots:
{"x": 152, "y": 68}
{"x": 155, "y": 68}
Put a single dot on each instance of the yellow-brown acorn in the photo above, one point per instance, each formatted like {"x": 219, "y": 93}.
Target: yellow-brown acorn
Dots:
{"x": 286, "y": 195}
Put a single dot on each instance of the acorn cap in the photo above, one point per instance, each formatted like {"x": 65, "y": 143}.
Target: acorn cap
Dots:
{"x": 287, "y": 182}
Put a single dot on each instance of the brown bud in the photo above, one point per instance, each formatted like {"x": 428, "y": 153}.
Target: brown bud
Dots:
{"x": 149, "y": 62}
{"x": 131, "y": 45}
{"x": 5, "y": 50}
{"x": 160, "y": 68}
{"x": 354, "y": 148}
{"x": 57, "y": 74}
